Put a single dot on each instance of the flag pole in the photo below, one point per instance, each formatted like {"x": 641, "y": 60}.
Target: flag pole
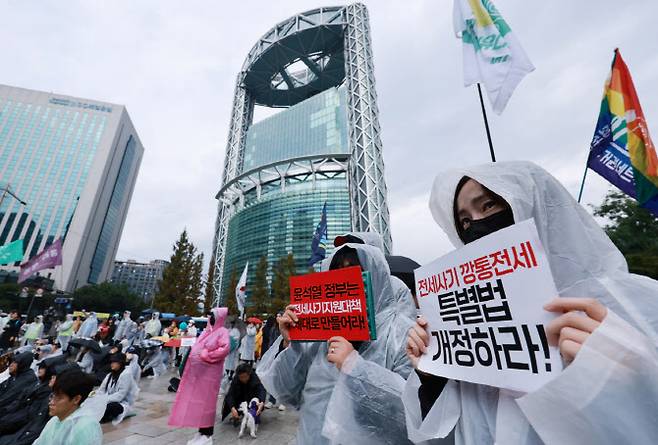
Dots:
{"x": 582, "y": 184}
{"x": 486, "y": 124}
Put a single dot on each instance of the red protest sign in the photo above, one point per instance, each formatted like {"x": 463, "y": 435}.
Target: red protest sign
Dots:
{"x": 329, "y": 304}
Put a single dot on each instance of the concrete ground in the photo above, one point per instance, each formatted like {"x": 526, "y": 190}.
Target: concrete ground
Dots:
{"x": 149, "y": 426}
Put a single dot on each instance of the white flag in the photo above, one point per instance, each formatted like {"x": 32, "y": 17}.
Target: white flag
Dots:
{"x": 492, "y": 54}
{"x": 241, "y": 290}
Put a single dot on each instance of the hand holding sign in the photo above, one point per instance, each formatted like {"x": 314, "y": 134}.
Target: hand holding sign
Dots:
{"x": 571, "y": 329}
{"x": 338, "y": 350}
{"x": 286, "y": 321}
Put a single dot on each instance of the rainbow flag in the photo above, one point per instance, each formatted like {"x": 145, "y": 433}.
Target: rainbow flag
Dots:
{"x": 621, "y": 150}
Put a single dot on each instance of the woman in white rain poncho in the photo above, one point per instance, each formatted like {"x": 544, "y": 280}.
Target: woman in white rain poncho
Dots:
{"x": 400, "y": 290}
{"x": 608, "y": 394}
{"x": 153, "y": 326}
{"x": 360, "y": 403}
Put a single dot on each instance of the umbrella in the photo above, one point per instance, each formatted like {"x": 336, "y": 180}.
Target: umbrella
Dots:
{"x": 150, "y": 343}
{"x": 182, "y": 318}
{"x": 254, "y": 320}
{"x": 53, "y": 361}
{"x": 84, "y": 341}
{"x": 403, "y": 268}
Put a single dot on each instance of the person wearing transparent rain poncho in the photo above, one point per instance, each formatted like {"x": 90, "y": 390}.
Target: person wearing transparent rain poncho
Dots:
{"x": 347, "y": 393}
{"x": 606, "y": 328}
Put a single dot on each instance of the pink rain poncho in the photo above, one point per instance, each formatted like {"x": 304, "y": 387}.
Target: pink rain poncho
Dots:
{"x": 196, "y": 399}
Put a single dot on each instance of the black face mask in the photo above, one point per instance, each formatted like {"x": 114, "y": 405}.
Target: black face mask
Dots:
{"x": 211, "y": 319}
{"x": 485, "y": 226}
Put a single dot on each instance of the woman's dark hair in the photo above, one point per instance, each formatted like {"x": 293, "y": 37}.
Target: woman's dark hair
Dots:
{"x": 455, "y": 209}
{"x": 343, "y": 255}
{"x": 242, "y": 368}
{"x": 73, "y": 383}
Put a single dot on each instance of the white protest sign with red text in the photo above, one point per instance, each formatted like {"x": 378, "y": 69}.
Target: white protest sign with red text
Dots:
{"x": 484, "y": 307}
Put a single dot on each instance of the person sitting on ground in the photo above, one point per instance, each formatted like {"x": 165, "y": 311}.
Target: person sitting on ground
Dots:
{"x": 85, "y": 360}
{"x": 606, "y": 331}
{"x": 121, "y": 389}
{"x": 20, "y": 378}
{"x": 245, "y": 387}
{"x": 132, "y": 360}
{"x": 23, "y": 419}
{"x": 75, "y": 413}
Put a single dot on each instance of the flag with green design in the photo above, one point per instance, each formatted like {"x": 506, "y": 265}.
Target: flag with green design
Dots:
{"x": 492, "y": 54}
{"x": 12, "y": 252}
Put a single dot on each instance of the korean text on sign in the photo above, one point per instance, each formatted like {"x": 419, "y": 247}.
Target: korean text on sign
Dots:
{"x": 329, "y": 304}
{"x": 484, "y": 307}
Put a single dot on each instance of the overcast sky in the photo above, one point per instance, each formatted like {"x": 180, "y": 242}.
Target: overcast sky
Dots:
{"x": 173, "y": 64}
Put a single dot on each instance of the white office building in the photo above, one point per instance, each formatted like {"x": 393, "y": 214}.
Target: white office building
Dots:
{"x": 71, "y": 165}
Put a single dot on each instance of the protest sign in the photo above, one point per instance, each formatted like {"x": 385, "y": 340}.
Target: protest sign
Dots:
{"x": 484, "y": 308}
{"x": 329, "y": 304}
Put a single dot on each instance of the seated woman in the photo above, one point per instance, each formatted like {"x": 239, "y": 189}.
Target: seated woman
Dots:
{"x": 246, "y": 387}
{"x": 606, "y": 330}
{"x": 121, "y": 389}
{"x": 347, "y": 392}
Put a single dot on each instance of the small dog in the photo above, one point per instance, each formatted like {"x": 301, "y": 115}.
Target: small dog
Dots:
{"x": 250, "y": 417}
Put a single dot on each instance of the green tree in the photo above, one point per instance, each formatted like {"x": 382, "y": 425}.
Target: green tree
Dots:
{"x": 284, "y": 269}
{"x": 209, "y": 295}
{"x": 229, "y": 293}
{"x": 258, "y": 300}
{"x": 182, "y": 282}
{"x": 633, "y": 230}
{"x": 107, "y": 297}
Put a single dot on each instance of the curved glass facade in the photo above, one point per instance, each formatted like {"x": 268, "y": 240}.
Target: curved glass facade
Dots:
{"x": 315, "y": 126}
{"x": 281, "y": 223}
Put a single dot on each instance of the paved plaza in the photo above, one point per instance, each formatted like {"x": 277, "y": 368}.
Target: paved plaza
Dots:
{"x": 149, "y": 426}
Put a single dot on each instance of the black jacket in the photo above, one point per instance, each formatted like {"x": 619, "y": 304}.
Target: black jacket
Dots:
{"x": 11, "y": 330}
{"x": 239, "y": 392}
{"x": 24, "y": 379}
{"x": 25, "y": 417}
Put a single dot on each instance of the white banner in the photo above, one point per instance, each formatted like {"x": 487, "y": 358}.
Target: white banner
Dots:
{"x": 187, "y": 341}
{"x": 484, "y": 307}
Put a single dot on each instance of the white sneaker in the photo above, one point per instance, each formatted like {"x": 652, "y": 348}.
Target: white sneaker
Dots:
{"x": 268, "y": 405}
{"x": 194, "y": 440}
{"x": 204, "y": 440}
{"x": 282, "y": 407}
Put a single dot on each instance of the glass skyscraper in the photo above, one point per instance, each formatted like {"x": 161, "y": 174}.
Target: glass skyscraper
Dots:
{"x": 324, "y": 147}
{"x": 73, "y": 164}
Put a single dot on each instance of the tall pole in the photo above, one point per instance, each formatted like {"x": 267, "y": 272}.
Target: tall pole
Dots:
{"x": 582, "y": 184}
{"x": 486, "y": 125}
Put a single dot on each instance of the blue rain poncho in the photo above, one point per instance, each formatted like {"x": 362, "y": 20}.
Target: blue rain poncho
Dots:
{"x": 81, "y": 427}
{"x": 89, "y": 327}
{"x": 609, "y": 393}
{"x": 361, "y": 402}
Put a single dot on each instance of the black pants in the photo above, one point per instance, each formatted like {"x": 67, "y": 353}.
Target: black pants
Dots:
{"x": 207, "y": 431}
{"x": 112, "y": 411}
